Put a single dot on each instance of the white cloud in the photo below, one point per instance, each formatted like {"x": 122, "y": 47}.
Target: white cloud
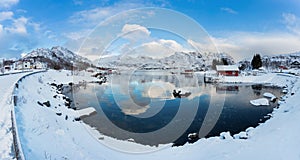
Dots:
{"x": 229, "y": 10}
{"x": 134, "y": 32}
{"x": 6, "y": 15}
{"x": 141, "y": 43}
{"x": 8, "y": 3}
{"x": 159, "y": 49}
{"x": 19, "y": 26}
{"x": 95, "y": 16}
{"x": 244, "y": 44}
{"x": 292, "y": 22}
{"x": 1, "y": 29}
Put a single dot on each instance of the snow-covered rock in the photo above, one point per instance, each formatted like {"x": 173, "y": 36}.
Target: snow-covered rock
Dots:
{"x": 226, "y": 135}
{"x": 260, "y": 102}
{"x": 270, "y": 95}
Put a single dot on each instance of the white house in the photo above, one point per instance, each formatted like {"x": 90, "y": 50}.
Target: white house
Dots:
{"x": 20, "y": 65}
{"x": 39, "y": 65}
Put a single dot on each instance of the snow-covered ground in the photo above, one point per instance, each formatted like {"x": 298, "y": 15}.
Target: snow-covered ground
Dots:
{"x": 6, "y": 89}
{"x": 46, "y": 135}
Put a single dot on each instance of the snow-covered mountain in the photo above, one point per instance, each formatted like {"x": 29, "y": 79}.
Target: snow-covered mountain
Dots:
{"x": 58, "y": 58}
{"x": 179, "y": 60}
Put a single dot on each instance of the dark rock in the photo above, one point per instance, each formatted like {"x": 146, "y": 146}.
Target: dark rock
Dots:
{"x": 193, "y": 136}
{"x": 47, "y": 104}
{"x": 77, "y": 119}
{"x": 274, "y": 100}
{"x": 68, "y": 100}
{"x": 59, "y": 114}
{"x": 55, "y": 96}
{"x": 68, "y": 104}
{"x": 60, "y": 86}
{"x": 53, "y": 84}
{"x": 66, "y": 118}
{"x": 71, "y": 84}
{"x": 41, "y": 104}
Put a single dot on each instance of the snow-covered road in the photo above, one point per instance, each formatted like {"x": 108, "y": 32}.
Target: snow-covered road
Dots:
{"x": 7, "y": 83}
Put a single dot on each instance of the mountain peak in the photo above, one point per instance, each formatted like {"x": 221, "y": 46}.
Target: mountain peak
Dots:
{"x": 58, "y": 57}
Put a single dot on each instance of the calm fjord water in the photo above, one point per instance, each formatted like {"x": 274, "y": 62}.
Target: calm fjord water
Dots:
{"x": 141, "y": 106}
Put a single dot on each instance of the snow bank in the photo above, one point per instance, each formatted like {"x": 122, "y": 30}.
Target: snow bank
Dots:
{"x": 6, "y": 90}
{"x": 260, "y": 102}
{"x": 276, "y": 79}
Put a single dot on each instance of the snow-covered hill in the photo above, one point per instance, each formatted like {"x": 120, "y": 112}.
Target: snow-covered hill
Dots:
{"x": 276, "y": 61}
{"x": 58, "y": 58}
{"x": 180, "y": 60}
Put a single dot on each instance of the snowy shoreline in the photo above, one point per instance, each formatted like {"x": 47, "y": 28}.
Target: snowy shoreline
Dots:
{"x": 88, "y": 147}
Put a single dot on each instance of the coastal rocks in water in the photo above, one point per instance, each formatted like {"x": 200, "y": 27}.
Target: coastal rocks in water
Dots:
{"x": 260, "y": 102}
{"x": 193, "y": 136}
{"x": 77, "y": 119}
{"x": 180, "y": 95}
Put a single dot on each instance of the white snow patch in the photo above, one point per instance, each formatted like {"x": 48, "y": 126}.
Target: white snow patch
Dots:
{"x": 86, "y": 111}
{"x": 260, "y": 102}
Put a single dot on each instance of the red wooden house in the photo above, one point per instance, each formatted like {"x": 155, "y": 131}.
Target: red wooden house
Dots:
{"x": 227, "y": 70}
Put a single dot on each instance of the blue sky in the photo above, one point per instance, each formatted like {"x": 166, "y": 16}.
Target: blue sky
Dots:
{"x": 240, "y": 28}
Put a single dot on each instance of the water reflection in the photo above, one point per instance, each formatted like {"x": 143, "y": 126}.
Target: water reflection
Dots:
{"x": 141, "y": 106}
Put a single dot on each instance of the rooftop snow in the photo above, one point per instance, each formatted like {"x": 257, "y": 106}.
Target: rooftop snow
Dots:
{"x": 227, "y": 68}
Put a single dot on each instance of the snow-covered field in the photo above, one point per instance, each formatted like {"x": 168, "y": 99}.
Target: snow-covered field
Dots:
{"x": 46, "y": 135}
